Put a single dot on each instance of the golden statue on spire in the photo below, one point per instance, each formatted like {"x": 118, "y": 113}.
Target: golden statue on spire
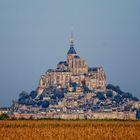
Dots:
{"x": 71, "y": 40}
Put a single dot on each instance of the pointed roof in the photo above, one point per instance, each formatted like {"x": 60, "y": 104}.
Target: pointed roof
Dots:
{"x": 71, "y": 50}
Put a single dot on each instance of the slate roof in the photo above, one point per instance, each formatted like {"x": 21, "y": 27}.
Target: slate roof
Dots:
{"x": 72, "y": 50}
{"x": 63, "y": 62}
{"x": 93, "y": 69}
{"x": 76, "y": 56}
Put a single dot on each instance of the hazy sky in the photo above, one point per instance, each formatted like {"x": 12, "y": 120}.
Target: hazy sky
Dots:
{"x": 34, "y": 36}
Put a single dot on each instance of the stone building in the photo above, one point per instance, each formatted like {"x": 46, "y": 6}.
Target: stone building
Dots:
{"x": 73, "y": 71}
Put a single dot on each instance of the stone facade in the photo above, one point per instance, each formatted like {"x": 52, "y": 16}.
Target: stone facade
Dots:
{"x": 74, "y": 70}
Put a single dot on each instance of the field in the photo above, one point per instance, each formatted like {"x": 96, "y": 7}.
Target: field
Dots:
{"x": 69, "y": 130}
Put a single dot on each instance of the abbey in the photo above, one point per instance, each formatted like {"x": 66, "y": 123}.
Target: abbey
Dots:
{"x": 73, "y": 74}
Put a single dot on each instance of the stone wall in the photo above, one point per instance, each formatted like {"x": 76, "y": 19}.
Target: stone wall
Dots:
{"x": 93, "y": 115}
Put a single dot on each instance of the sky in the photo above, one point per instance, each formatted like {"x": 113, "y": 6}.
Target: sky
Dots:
{"x": 34, "y": 37}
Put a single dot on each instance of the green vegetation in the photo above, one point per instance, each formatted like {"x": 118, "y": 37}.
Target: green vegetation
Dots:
{"x": 4, "y": 116}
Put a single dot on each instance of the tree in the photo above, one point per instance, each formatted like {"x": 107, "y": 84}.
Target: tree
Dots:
{"x": 40, "y": 97}
{"x": 110, "y": 86}
{"x": 27, "y": 101}
{"x": 45, "y": 104}
{"x": 135, "y": 99}
{"x": 86, "y": 89}
{"x": 4, "y": 116}
{"x": 74, "y": 85}
{"x": 127, "y": 95}
{"x": 65, "y": 90}
{"x": 23, "y": 95}
{"x": 59, "y": 93}
{"x": 39, "y": 103}
{"x": 100, "y": 96}
{"x": 117, "y": 98}
{"x": 30, "y": 101}
{"x": 33, "y": 94}
{"x": 25, "y": 98}
{"x": 109, "y": 94}
{"x": 114, "y": 88}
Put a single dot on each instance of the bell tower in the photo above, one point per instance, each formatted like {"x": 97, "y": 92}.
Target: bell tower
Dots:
{"x": 71, "y": 53}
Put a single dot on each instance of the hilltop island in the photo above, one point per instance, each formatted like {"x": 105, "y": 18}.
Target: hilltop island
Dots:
{"x": 75, "y": 91}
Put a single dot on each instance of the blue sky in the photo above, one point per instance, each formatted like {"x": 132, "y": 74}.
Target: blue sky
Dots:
{"x": 34, "y": 36}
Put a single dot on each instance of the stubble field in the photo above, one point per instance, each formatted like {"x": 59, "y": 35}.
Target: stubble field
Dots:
{"x": 69, "y": 130}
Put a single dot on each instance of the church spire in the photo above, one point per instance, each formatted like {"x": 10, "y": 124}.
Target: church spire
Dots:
{"x": 71, "y": 40}
{"x": 71, "y": 50}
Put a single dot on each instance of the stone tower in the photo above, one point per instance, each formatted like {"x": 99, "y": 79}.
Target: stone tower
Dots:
{"x": 71, "y": 54}
{"x": 75, "y": 63}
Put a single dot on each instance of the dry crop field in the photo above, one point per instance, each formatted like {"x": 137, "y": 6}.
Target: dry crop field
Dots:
{"x": 69, "y": 130}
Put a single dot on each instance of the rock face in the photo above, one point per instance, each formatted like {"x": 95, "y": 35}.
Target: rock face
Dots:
{"x": 73, "y": 75}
